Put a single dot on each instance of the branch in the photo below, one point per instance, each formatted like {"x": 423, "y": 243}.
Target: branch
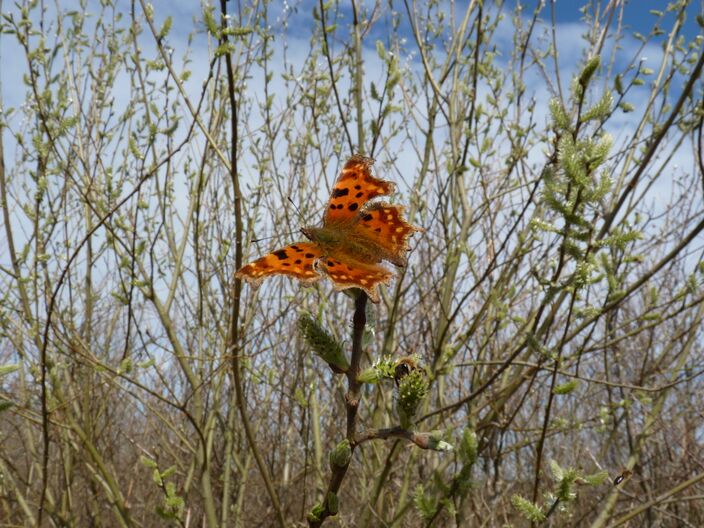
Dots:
{"x": 359, "y": 320}
{"x": 426, "y": 440}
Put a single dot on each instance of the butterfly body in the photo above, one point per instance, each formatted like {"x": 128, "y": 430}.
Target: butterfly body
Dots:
{"x": 343, "y": 239}
{"x": 324, "y": 236}
{"x": 355, "y": 237}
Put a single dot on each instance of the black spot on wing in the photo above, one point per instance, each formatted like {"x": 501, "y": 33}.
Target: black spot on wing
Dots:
{"x": 367, "y": 217}
{"x": 353, "y": 206}
{"x": 309, "y": 255}
{"x": 281, "y": 254}
{"x": 336, "y": 193}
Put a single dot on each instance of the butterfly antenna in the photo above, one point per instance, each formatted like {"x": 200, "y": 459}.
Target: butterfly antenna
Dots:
{"x": 296, "y": 208}
{"x": 285, "y": 234}
{"x": 272, "y": 236}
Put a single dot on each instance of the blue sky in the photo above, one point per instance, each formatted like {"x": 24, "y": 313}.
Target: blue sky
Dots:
{"x": 637, "y": 14}
{"x": 187, "y": 18}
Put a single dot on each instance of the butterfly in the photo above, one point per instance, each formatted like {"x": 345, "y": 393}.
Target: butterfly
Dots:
{"x": 355, "y": 237}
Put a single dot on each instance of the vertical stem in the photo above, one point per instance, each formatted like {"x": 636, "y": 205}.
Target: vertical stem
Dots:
{"x": 358, "y": 81}
{"x": 359, "y": 320}
{"x": 232, "y": 343}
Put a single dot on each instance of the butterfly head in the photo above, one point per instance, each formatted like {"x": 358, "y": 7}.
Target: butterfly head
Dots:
{"x": 321, "y": 235}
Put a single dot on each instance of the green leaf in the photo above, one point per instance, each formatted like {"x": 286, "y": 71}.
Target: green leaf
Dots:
{"x": 469, "y": 446}
{"x": 300, "y": 398}
{"x": 601, "y": 109}
{"x": 166, "y": 27}
{"x": 618, "y": 84}
{"x": 526, "y": 508}
{"x": 148, "y": 462}
{"x": 209, "y": 20}
{"x": 559, "y": 115}
{"x": 374, "y": 92}
{"x": 566, "y": 388}
{"x": 168, "y": 472}
{"x": 597, "y": 478}
{"x": 9, "y": 368}
{"x": 323, "y": 344}
{"x": 557, "y": 472}
{"x": 316, "y": 513}
{"x": 380, "y": 50}
{"x": 426, "y": 505}
{"x": 588, "y": 70}
{"x": 241, "y": 31}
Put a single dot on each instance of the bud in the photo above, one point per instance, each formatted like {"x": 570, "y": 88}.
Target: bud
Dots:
{"x": 333, "y": 503}
{"x": 382, "y": 368}
{"x": 316, "y": 513}
{"x": 588, "y": 70}
{"x": 370, "y": 375}
{"x": 468, "y": 446}
{"x": 342, "y": 453}
{"x": 432, "y": 440}
{"x": 323, "y": 344}
{"x": 436, "y": 442}
{"x": 412, "y": 388}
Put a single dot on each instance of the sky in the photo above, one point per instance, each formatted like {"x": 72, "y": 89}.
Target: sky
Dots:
{"x": 188, "y": 18}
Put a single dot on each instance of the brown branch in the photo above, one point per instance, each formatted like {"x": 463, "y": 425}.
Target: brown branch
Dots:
{"x": 232, "y": 343}
{"x": 359, "y": 320}
{"x": 422, "y": 440}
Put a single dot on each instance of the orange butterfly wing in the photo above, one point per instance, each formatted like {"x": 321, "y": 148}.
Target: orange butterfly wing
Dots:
{"x": 354, "y": 187}
{"x": 296, "y": 260}
{"x": 346, "y": 272}
{"x": 383, "y": 224}
{"x": 379, "y": 227}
